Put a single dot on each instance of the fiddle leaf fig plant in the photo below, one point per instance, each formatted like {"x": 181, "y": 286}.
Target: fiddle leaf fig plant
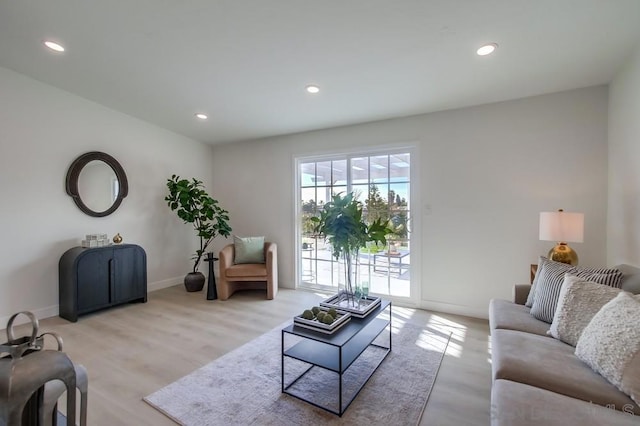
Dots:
{"x": 192, "y": 204}
{"x": 341, "y": 223}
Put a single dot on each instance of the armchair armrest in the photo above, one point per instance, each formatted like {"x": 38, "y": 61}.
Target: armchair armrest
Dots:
{"x": 520, "y": 293}
{"x": 226, "y": 258}
{"x": 271, "y": 257}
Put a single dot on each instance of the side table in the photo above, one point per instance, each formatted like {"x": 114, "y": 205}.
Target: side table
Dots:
{"x": 212, "y": 292}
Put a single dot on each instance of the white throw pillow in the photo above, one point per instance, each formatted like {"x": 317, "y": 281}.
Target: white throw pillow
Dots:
{"x": 579, "y": 301}
{"x": 610, "y": 344}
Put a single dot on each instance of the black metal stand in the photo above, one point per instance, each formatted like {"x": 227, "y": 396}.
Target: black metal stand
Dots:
{"x": 212, "y": 292}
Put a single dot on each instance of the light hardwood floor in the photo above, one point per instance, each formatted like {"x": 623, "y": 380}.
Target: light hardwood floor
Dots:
{"x": 134, "y": 350}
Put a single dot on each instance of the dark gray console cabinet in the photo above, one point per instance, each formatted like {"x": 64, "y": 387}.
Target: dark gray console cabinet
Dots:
{"x": 97, "y": 278}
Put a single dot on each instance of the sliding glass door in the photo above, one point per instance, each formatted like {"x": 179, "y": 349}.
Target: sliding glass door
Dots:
{"x": 382, "y": 183}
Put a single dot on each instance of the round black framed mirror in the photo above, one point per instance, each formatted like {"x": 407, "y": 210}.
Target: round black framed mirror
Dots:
{"x": 97, "y": 183}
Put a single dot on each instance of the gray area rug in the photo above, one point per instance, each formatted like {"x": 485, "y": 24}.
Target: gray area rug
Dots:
{"x": 243, "y": 387}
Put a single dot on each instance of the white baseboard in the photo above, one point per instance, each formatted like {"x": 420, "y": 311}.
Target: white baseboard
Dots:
{"x": 53, "y": 311}
{"x": 158, "y": 285}
{"x": 42, "y": 313}
{"x": 450, "y": 308}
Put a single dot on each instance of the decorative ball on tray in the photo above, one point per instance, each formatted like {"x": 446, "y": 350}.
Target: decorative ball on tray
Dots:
{"x": 325, "y": 317}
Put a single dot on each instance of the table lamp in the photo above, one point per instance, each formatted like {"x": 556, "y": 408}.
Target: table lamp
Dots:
{"x": 562, "y": 227}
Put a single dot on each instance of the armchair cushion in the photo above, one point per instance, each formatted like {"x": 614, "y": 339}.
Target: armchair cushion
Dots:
{"x": 247, "y": 270}
{"x": 248, "y": 250}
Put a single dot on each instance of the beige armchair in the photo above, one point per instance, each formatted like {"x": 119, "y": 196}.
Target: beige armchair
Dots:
{"x": 248, "y": 276}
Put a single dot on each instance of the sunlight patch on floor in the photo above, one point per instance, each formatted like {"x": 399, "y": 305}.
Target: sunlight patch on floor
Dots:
{"x": 433, "y": 341}
{"x": 402, "y": 312}
{"x": 458, "y": 331}
{"x": 436, "y": 335}
{"x": 399, "y": 317}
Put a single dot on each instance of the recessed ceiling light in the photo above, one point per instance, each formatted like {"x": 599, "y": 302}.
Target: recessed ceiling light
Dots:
{"x": 54, "y": 46}
{"x": 312, "y": 88}
{"x": 487, "y": 49}
{"x": 202, "y": 116}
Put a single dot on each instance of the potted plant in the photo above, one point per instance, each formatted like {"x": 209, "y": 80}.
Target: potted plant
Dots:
{"x": 192, "y": 204}
{"x": 340, "y": 222}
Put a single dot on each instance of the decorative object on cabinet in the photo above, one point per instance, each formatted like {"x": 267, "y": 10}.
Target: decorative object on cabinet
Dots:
{"x": 117, "y": 239}
{"x": 97, "y": 183}
{"x": 193, "y": 205}
{"x": 95, "y": 278}
{"x": 562, "y": 227}
{"x": 95, "y": 240}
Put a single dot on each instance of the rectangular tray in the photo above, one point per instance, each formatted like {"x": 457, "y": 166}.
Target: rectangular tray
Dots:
{"x": 343, "y": 318}
{"x": 338, "y": 302}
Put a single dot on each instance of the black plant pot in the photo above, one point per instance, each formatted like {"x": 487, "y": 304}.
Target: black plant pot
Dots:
{"x": 194, "y": 281}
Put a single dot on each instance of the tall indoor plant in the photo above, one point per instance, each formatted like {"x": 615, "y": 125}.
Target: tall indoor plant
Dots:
{"x": 192, "y": 204}
{"x": 341, "y": 223}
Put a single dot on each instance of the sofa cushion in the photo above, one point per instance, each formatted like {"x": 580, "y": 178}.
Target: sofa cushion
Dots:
{"x": 630, "y": 278}
{"x": 247, "y": 270}
{"x": 550, "y": 364}
{"x": 518, "y": 404}
{"x": 548, "y": 286}
{"x": 578, "y": 302}
{"x": 610, "y": 344}
{"x": 248, "y": 250}
{"x": 511, "y": 316}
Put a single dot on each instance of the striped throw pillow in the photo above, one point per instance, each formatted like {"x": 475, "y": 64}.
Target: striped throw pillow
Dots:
{"x": 548, "y": 285}
{"x": 541, "y": 262}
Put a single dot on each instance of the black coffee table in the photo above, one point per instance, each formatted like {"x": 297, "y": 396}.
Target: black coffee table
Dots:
{"x": 336, "y": 352}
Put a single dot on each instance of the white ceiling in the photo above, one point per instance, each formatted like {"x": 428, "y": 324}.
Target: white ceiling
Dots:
{"x": 246, "y": 63}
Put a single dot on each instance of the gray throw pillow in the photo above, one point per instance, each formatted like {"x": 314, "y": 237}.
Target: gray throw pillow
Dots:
{"x": 610, "y": 344}
{"x": 579, "y": 301}
{"x": 248, "y": 250}
{"x": 550, "y": 281}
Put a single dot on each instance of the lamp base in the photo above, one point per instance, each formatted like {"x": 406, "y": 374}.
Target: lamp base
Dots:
{"x": 564, "y": 254}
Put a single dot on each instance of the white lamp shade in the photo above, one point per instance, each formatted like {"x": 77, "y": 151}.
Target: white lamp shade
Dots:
{"x": 562, "y": 227}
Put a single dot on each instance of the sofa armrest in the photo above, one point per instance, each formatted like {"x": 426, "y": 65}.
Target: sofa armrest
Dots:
{"x": 520, "y": 293}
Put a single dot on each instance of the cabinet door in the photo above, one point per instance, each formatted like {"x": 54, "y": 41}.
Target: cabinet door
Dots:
{"x": 93, "y": 280}
{"x": 129, "y": 276}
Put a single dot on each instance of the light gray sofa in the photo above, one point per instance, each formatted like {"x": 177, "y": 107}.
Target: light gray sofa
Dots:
{"x": 537, "y": 380}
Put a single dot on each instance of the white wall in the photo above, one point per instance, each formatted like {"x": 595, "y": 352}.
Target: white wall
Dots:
{"x": 42, "y": 130}
{"x": 623, "y": 224}
{"x": 486, "y": 173}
